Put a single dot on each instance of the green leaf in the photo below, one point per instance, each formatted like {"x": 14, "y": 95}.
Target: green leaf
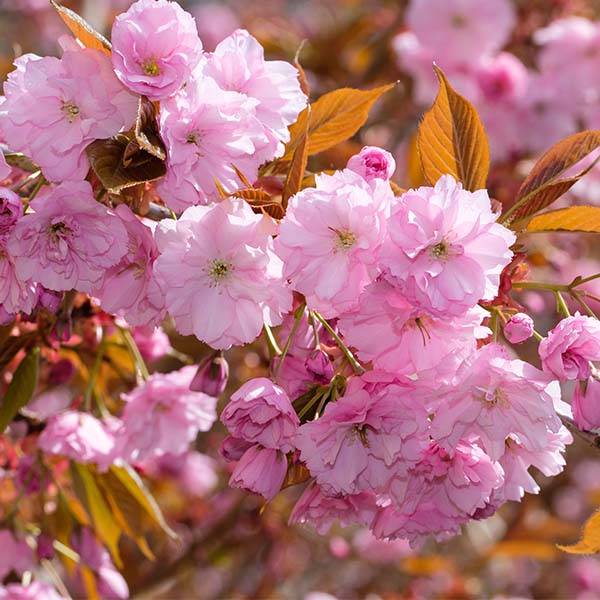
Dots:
{"x": 104, "y": 524}
{"x": 543, "y": 185}
{"x": 332, "y": 119}
{"x": 119, "y": 164}
{"x": 574, "y": 218}
{"x": 82, "y": 30}
{"x": 21, "y": 387}
{"x": 451, "y": 140}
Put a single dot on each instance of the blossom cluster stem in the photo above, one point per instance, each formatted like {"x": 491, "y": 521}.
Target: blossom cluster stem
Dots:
{"x": 297, "y": 317}
{"x": 93, "y": 374}
{"x": 358, "y": 368}
{"x": 135, "y": 353}
{"x": 274, "y": 349}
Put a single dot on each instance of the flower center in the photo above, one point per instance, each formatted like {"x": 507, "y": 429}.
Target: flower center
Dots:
{"x": 58, "y": 231}
{"x": 218, "y": 271}
{"x": 71, "y": 111}
{"x": 150, "y": 68}
{"x": 439, "y": 250}
{"x": 497, "y": 398}
{"x": 458, "y": 21}
{"x": 344, "y": 240}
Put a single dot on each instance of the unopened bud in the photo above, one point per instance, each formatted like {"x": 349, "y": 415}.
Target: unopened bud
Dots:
{"x": 519, "y": 328}
{"x": 211, "y": 377}
{"x": 319, "y": 366}
{"x": 373, "y": 163}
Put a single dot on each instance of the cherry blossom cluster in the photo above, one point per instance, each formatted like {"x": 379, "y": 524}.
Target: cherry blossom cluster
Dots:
{"x": 433, "y": 428}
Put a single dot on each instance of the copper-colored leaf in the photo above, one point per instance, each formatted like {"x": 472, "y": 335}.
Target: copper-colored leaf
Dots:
{"x": 414, "y": 170}
{"x": 107, "y": 159}
{"x": 146, "y": 129}
{"x": 518, "y": 548}
{"x": 543, "y": 185}
{"x": 301, "y": 74}
{"x": 293, "y": 181}
{"x": 254, "y": 196}
{"x": 20, "y": 161}
{"x": 451, "y": 140}
{"x": 82, "y": 30}
{"x": 574, "y": 218}
{"x": 590, "y": 538}
{"x": 333, "y": 118}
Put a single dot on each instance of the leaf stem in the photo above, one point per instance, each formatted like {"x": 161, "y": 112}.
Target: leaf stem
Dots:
{"x": 138, "y": 360}
{"x": 274, "y": 349}
{"x": 297, "y": 318}
{"x": 561, "y": 305}
{"x": 89, "y": 388}
{"x": 358, "y": 368}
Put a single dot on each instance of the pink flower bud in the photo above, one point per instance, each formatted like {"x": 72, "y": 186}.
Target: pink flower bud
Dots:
{"x": 373, "y": 163}
{"x": 49, "y": 299}
{"x": 519, "y": 328}
{"x": 319, "y": 365}
{"x": 233, "y": 448}
{"x": 260, "y": 470}
{"x": 586, "y": 405}
{"x": 212, "y": 375}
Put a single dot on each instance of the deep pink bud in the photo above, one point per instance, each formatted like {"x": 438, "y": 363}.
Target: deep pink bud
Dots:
{"x": 518, "y": 328}
{"x": 49, "y": 299}
{"x": 260, "y": 470}
{"x": 212, "y": 375}
{"x": 61, "y": 372}
{"x": 318, "y": 364}
{"x": 45, "y": 550}
{"x": 373, "y": 163}
{"x": 233, "y": 448}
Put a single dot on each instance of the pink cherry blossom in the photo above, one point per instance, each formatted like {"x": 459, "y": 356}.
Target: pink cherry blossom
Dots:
{"x": 238, "y": 64}
{"x": 330, "y": 237}
{"x": 221, "y": 278}
{"x": 261, "y": 412}
{"x": 155, "y": 47}
{"x": 260, "y": 470}
{"x": 68, "y": 241}
{"x": 11, "y": 210}
{"x": 445, "y": 491}
{"x": 81, "y": 437}
{"x": 36, "y": 590}
{"x": 494, "y": 397}
{"x": 109, "y": 582}
{"x": 16, "y": 555}
{"x": 128, "y": 288}
{"x": 397, "y": 337}
{"x": 212, "y": 375}
{"x": 321, "y": 511}
{"x": 364, "y": 439}
{"x": 586, "y": 405}
{"x": 372, "y": 163}
{"x": 568, "y": 349}
{"x": 207, "y": 130}
{"x": 55, "y": 107}
{"x": 152, "y": 342}
{"x": 461, "y": 30}
{"x": 518, "y": 328}
{"x": 162, "y": 416}
{"x": 444, "y": 248}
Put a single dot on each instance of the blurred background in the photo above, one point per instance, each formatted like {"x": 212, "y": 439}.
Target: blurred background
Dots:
{"x": 533, "y": 72}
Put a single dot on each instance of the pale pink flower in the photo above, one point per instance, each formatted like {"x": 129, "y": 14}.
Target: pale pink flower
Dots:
{"x": 16, "y": 555}
{"x": 260, "y": 470}
{"x": 365, "y": 438}
{"x": 93, "y": 555}
{"x": 80, "y": 437}
{"x": 494, "y": 398}
{"x": 36, "y": 590}
{"x": 11, "y": 210}
{"x": 518, "y": 328}
{"x": 444, "y": 248}
{"x": 155, "y": 47}
{"x": 517, "y": 460}
{"x": 398, "y": 337}
{"x": 68, "y": 241}
{"x": 128, "y": 288}
{"x": 330, "y": 237}
{"x": 321, "y": 511}
{"x": 261, "y": 412}
{"x": 238, "y": 64}
{"x": 220, "y": 275}
{"x": 162, "y": 416}
{"x": 567, "y": 350}
{"x": 5, "y": 168}
{"x": 16, "y": 295}
{"x": 207, "y": 130}
{"x": 461, "y": 30}
{"x": 152, "y": 342}
{"x": 372, "y": 163}
{"x": 586, "y": 405}
{"x": 444, "y": 491}
{"x": 55, "y": 107}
